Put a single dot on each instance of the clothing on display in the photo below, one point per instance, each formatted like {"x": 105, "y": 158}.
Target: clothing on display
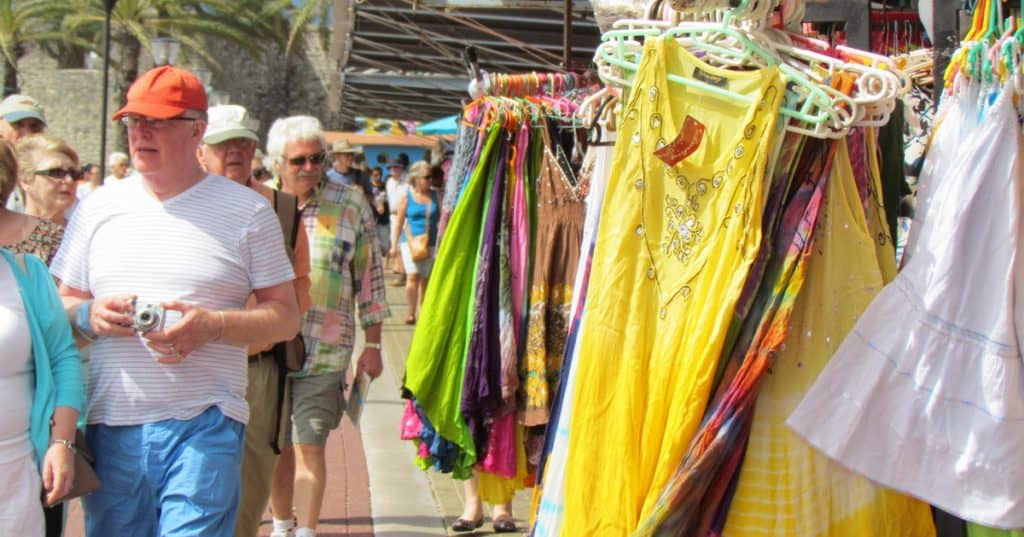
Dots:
{"x": 551, "y": 488}
{"x": 782, "y": 478}
{"x": 664, "y": 281}
{"x": 931, "y": 373}
{"x": 556, "y": 253}
{"x": 500, "y": 274}
{"x": 731, "y": 317}
{"x": 688, "y": 300}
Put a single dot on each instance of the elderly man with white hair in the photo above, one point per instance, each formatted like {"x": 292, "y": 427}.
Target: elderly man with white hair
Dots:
{"x": 118, "y": 163}
{"x": 346, "y": 269}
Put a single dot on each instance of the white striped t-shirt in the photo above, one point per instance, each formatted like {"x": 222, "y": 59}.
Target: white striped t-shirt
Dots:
{"x": 210, "y": 245}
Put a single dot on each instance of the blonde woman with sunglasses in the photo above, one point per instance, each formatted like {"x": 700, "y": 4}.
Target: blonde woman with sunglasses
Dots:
{"x": 47, "y": 200}
{"x": 48, "y": 173}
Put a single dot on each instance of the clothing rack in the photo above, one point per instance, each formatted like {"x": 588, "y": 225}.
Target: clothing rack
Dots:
{"x": 943, "y": 20}
{"x": 527, "y": 84}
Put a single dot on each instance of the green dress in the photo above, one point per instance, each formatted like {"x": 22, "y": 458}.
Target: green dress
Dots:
{"x": 436, "y": 362}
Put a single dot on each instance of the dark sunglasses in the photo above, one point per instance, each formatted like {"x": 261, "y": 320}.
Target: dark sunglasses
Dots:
{"x": 261, "y": 174}
{"x": 61, "y": 173}
{"x": 315, "y": 160}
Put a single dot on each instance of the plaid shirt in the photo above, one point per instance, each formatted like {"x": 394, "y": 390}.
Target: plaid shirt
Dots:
{"x": 345, "y": 267}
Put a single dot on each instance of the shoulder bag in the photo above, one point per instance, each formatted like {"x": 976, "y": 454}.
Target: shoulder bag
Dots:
{"x": 291, "y": 354}
{"x": 419, "y": 245}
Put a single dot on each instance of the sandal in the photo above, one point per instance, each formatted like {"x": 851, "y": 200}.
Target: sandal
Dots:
{"x": 505, "y": 525}
{"x": 412, "y": 320}
{"x": 462, "y": 525}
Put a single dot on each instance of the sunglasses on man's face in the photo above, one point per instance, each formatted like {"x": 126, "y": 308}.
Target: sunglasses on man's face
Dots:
{"x": 315, "y": 159}
{"x": 261, "y": 174}
{"x": 58, "y": 174}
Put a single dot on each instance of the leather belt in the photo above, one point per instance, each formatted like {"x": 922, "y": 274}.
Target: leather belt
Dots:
{"x": 255, "y": 357}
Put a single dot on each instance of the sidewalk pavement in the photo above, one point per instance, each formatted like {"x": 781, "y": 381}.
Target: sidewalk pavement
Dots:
{"x": 373, "y": 487}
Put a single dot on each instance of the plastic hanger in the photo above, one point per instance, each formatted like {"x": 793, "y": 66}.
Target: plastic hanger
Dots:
{"x": 879, "y": 79}
{"x": 816, "y": 107}
{"x": 872, "y": 95}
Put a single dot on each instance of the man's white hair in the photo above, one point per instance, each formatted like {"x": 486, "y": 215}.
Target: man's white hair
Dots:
{"x": 293, "y": 129}
{"x": 116, "y": 158}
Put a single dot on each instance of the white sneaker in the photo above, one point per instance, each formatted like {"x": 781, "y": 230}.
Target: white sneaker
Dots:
{"x": 283, "y": 533}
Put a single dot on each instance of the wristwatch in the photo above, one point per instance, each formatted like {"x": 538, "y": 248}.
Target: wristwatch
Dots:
{"x": 369, "y": 345}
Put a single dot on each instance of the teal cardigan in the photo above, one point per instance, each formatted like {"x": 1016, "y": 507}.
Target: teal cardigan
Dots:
{"x": 57, "y": 367}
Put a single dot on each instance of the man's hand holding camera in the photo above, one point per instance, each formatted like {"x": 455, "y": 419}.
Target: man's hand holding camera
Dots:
{"x": 111, "y": 316}
{"x": 196, "y": 328}
{"x": 123, "y": 315}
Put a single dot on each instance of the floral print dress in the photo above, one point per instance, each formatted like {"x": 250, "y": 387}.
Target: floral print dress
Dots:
{"x": 42, "y": 242}
{"x": 560, "y": 215}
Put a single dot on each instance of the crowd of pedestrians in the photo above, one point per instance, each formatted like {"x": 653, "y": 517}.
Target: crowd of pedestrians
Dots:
{"x": 216, "y": 292}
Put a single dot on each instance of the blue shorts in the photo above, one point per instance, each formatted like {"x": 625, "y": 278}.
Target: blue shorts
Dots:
{"x": 170, "y": 478}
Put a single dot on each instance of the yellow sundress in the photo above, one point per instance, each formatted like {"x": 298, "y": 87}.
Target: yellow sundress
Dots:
{"x": 787, "y": 488}
{"x": 666, "y": 274}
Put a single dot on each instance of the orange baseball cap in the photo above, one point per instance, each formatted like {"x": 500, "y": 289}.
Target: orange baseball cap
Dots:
{"x": 164, "y": 92}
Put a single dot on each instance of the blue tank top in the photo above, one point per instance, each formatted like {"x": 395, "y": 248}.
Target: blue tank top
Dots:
{"x": 416, "y": 216}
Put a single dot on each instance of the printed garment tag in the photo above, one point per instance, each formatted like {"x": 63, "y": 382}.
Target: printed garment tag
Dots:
{"x": 686, "y": 142}
{"x": 718, "y": 81}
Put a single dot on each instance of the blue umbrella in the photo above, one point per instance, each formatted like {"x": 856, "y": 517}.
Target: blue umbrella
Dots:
{"x": 445, "y": 125}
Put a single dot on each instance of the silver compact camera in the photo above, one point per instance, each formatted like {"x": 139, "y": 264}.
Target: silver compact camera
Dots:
{"x": 148, "y": 317}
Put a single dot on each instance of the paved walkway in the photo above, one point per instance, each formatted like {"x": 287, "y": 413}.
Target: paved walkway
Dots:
{"x": 373, "y": 487}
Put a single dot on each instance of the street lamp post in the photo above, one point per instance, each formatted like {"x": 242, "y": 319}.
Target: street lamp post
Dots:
{"x": 204, "y": 75}
{"x": 216, "y": 97}
{"x": 165, "y": 50}
{"x": 108, "y": 5}
{"x": 219, "y": 97}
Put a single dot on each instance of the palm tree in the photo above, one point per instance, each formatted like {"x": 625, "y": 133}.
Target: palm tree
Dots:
{"x": 134, "y": 23}
{"x": 30, "y": 21}
{"x": 312, "y": 11}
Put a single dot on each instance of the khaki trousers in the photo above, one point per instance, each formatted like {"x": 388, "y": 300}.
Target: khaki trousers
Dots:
{"x": 260, "y": 460}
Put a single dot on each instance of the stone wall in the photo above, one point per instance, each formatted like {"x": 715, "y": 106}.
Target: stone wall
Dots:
{"x": 72, "y": 99}
{"x": 270, "y": 87}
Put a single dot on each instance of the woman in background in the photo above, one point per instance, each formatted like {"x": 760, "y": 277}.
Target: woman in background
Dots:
{"x": 41, "y": 386}
{"x": 48, "y": 171}
{"x": 418, "y": 212}
{"x": 21, "y": 232}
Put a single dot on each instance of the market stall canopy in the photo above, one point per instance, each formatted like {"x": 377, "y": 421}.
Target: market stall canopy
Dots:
{"x": 370, "y": 140}
{"x": 445, "y": 125}
{"x": 403, "y": 58}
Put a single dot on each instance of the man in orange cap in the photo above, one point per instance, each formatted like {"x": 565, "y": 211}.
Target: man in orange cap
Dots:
{"x": 156, "y": 270}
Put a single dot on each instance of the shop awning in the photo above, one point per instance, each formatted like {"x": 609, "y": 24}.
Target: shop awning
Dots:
{"x": 403, "y": 58}
{"x": 445, "y": 125}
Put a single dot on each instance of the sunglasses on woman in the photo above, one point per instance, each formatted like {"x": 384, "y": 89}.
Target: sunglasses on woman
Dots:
{"x": 58, "y": 174}
{"x": 301, "y": 161}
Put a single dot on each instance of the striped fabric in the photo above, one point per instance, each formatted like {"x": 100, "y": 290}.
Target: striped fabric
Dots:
{"x": 210, "y": 245}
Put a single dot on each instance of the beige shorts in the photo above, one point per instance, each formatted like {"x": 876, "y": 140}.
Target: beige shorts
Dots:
{"x": 318, "y": 402}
